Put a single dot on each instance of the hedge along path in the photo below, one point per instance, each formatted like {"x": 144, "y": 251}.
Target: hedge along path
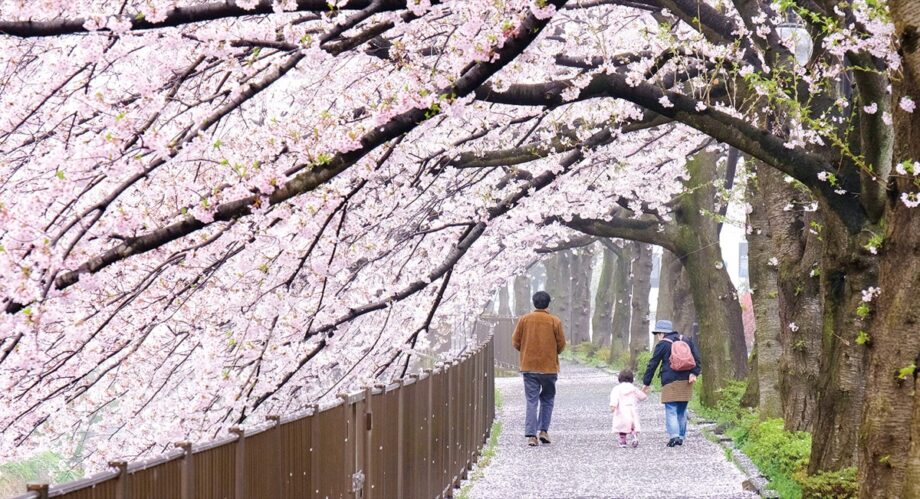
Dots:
{"x": 584, "y": 460}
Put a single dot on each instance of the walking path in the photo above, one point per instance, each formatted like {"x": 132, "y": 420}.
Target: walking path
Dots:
{"x": 584, "y": 462}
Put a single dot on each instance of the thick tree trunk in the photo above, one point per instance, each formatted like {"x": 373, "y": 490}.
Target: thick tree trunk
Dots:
{"x": 846, "y": 270}
{"x": 641, "y": 278}
{"x": 889, "y": 464}
{"x": 619, "y": 342}
{"x": 504, "y": 301}
{"x": 764, "y": 381}
{"x": 522, "y": 295}
{"x": 795, "y": 242}
{"x": 602, "y": 322}
{"x": 721, "y": 334}
{"x": 719, "y": 315}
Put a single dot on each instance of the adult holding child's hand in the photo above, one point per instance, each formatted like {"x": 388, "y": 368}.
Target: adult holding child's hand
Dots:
{"x": 680, "y": 365}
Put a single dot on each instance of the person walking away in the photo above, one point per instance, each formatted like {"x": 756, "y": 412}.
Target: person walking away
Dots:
{"x": 624, "y": 404}
{"x": 540, "y": 339}
{"x": 680, "y": 365}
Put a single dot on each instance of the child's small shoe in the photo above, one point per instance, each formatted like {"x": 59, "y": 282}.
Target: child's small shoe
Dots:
{"x": 635, "y": 440}
{"x": 621, "y": 445}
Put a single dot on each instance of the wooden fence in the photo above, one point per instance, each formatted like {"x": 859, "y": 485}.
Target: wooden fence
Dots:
{"x": 412, "y": 439}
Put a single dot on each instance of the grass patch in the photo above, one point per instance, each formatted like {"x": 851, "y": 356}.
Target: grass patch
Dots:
{"x": 47, "y": 467}
{"x": 488, "y": 452}
{"x": 587, "y": 353}
{"x": 782, "y": 456}
{"x": 485, "y": 459}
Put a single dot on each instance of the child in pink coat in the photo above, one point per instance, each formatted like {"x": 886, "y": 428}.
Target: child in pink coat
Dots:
{"x": 624, "y": 400}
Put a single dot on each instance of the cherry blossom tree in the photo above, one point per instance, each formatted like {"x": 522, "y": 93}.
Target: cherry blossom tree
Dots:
{"x": 214, "y": 211}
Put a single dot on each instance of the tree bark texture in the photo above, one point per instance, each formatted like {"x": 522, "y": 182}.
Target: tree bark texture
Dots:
{"x": 721, "y": 335}
{"x": 602, "y": 320}
{"x": 846, "y": 270}
{"x": 564, "y": 296}
{"x": 675, "y": 302}
{"x": 619, "y": 341}
{"x": 641, "y": 279}
{"x": 522, "y": 295}
{"x": 795, "y": 241}
{"x": 581, "y": 296}
{"x": 889, "y": 459}
{"x": 764, "y": 383}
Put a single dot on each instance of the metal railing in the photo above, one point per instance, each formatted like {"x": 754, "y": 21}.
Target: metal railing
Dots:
{"x": 413, "y": 439}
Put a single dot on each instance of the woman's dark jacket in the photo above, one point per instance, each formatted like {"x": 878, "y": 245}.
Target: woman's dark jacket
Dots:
{"x": 662, "y": 356}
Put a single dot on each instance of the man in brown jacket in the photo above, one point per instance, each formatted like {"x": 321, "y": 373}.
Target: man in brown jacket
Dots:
{"x": 540, "y": 339}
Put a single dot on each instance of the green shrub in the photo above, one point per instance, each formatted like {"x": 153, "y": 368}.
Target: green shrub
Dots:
{"x": 618, "y": 362}
{"x": 829, "y": 484}
{"x": 775, "y": 450}
{"x": 641, "y": 363}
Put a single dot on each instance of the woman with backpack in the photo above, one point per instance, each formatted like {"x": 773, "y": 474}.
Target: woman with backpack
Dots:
{"x": 680, "y": 365}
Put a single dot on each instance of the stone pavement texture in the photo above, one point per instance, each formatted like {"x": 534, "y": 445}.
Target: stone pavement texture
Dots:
{"x": 584, "y": 461}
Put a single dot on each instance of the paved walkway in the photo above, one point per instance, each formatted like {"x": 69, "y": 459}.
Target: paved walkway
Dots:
{"x": 584, "y": 461}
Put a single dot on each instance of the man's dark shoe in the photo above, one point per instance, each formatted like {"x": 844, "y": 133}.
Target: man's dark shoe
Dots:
{"x": 680, "y": 441}
{"x": 544, "y": 437}
{"x": 672, "y": 442}
{"x": 532, "y": 441}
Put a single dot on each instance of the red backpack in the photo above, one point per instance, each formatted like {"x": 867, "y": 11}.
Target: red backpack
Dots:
{"x": 681, "y": 355}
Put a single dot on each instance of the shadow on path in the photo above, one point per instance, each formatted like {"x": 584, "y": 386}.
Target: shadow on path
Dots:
{"x": 584, "y": 461}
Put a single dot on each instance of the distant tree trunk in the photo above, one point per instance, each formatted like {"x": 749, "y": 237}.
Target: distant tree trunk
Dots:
{"x": 639, "y": 325}
{"x": 675, "y": 302}
{"x": 504, "y": 301}
{"x": 602, "y": 322}
{"x": 557, "y": 285}
{"x": 564, "y": 294}
{"x": 522, "y": 295}
{"x": 763, "y": 390}
{"x": 619, "y": 341}
{"x": 693, "y": 236}
{"x": 581, "y": 296}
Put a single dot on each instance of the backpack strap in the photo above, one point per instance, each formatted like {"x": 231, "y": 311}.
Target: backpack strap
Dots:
{"x": 669, "y": 341}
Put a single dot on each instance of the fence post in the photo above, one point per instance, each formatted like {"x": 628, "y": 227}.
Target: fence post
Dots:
{"x": 349, "y": 418}
{"x": 368, "y": 429}
{"x": 121, "y": 483}
{"x": 314, "y": 452}
{"x": 239, "y": 473}
{"x": 428, "y": 429}
{"x": 400, "y": 441}
{"x": 450, "y": 429}
{"x": 41, "y": 488}
{"x": 187, "y": 470}
{"x": 273, "y": 483}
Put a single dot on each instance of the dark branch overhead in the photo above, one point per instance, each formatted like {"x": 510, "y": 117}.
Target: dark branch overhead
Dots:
{"x": 186, "y": 15}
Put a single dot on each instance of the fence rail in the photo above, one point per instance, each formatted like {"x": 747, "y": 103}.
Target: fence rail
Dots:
{"x": 413, "y": 439}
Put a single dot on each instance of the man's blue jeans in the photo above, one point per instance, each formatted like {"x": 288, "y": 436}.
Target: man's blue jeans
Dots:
{"x": 675, "y": 419}
{"x": 540, "y": 389}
